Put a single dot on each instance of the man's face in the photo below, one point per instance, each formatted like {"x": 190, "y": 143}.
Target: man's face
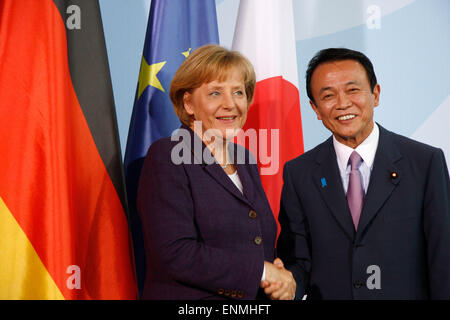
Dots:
{"x": 344, "y": 101}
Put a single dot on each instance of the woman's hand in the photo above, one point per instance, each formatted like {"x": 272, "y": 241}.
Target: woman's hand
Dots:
{"x": 279, "y": 284}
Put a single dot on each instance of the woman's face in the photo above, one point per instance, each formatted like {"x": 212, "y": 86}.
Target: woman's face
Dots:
{"x": 219, "y": 105}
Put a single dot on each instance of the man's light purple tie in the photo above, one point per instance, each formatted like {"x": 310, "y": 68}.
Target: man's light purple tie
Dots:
{"x": 355, "y": 192}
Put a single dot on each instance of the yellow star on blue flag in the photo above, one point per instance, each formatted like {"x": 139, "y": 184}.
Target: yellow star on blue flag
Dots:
{"x": 187, "y": 52}
{"x": 148, "y": 76}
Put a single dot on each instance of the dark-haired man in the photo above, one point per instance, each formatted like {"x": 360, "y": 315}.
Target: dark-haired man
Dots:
{"x": 365, "y": 214}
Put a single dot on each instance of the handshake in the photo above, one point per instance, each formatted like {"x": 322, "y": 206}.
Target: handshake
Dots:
{"x": 279, "y": 284}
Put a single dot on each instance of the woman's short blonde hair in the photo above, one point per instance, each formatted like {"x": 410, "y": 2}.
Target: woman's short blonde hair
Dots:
{"x": 205, "y": 64}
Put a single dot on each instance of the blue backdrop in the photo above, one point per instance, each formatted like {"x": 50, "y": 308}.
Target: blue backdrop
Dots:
{"x": 407, "y": 40}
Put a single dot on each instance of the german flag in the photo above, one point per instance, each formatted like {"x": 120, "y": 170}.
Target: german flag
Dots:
{"x": 63, "y": 223}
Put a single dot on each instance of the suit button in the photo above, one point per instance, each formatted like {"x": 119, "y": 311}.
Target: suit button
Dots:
{"x": 227, "y": 292}
{"x": 240, "y": 294}
{"x": 220, "y": 291}
{"x": 233, "y": 294}
{"x": 252, "y": 214}
{"x": 358, "y": 284}
{"x": 257, "y": 240}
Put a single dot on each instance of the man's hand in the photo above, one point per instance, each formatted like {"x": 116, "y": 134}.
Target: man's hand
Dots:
{"x": 279, "y": 283}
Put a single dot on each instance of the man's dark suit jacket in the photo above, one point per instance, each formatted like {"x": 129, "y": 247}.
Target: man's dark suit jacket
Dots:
{"x": 204, "y": 239}
{"x": 404, "y": 227}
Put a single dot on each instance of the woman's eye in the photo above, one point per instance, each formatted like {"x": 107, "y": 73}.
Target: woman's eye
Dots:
{"x": 239, "y": 93}
{"x": 214, "y": 93}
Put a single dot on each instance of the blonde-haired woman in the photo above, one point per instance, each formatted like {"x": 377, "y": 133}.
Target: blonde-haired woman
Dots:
{"x": 208, "y": 228}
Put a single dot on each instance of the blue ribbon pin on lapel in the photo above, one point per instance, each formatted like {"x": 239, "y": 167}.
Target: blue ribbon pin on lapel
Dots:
{"x": 324, "y": 182}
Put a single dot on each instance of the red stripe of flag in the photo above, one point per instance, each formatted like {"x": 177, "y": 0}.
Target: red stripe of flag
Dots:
{"x": 52, "y": 176}
{"x": 276, "y": 105}
{"x": 265, "y": 34}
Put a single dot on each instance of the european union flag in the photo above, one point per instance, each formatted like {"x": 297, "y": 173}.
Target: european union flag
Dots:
{"x": 175, "y": 28}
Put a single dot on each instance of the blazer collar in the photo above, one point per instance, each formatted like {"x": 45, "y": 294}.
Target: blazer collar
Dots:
{"x": 328, "y": 181}
{"x": 382, "y": 183}
{"x": 202, "y": 156}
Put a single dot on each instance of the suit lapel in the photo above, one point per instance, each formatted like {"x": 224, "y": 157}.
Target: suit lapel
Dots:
{"x": 329, "y": 183}
{"x": 215, "y": 171}
{"x": 201, "y": 154}
{"x": 381, "y": 183}
{"x": 248, "y": 184}
{"x": 243, "y": 160}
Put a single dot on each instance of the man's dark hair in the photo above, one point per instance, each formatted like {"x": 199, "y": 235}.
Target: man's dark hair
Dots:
{"x": 339, "y": 54}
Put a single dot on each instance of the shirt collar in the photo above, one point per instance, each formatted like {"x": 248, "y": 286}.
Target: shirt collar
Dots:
{"x": 366, "y": 149}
